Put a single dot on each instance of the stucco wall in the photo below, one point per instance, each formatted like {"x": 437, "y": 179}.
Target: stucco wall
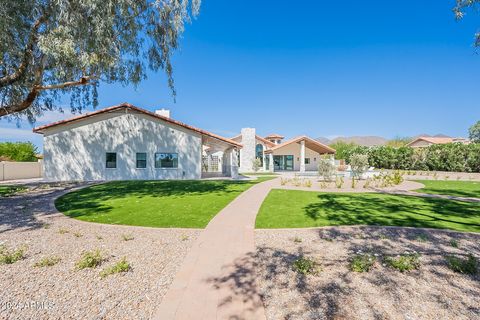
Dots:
{"x": 20, "y": 170}
{"x": 77, "y": 151}
{"x": 294, "y": 149}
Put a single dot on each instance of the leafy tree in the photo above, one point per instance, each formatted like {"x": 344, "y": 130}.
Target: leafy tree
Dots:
{"x": 461, "y": 7}
{"x": 359, "y": 165}
{"x": 18, "y": 151}
{"x": 342, "y": 148}
{"x": 474, "y": 132}
{"x": 326, "y": 169}
{"x": 48, "y": 48}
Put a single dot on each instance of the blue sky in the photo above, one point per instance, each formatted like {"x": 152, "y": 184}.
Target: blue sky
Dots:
{"x": 320, "y": 68}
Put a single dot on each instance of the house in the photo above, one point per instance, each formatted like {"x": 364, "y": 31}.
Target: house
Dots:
{"x": 124, "y": 142}
{"x": 299, "y": 154}
{"x": 422, "y": 142}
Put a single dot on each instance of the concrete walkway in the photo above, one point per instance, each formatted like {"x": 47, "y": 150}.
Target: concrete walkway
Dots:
{"x": 217, "y": 277}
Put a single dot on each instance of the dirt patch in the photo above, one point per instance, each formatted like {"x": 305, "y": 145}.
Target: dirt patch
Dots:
{"x": 431, "y": 292}
{"x": 60, "y": 291}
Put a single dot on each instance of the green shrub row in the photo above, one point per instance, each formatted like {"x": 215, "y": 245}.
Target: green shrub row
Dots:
{"x": 446, "y": 157}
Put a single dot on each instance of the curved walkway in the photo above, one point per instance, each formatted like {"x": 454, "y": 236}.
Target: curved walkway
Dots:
{"x": 216, "y": 279}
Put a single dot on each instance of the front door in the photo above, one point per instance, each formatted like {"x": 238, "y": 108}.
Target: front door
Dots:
{"x": 283, "y": 163}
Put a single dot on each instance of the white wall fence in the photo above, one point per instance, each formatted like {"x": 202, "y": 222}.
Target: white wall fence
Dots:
{"x": 20, "y": 170}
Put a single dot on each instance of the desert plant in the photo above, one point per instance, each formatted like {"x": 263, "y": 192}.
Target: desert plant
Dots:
{"x": 405, "y": 262}
{"x": 422, "y": 238}
{"x": 47, "y": 262}
{"x": 184, "y": 237}
{"x": 77, "y": 234}
{"x": 11, "y": 256}
{"x": 359, "y": 165}
{"x": 362, "y": 262}
{"x": 89, "y": 259}
{"x": 326, "y": 169}
{"x": 127, "y": 237}
{"x": 283, "y": 181}
{"x": 339, "y": 181}
{"x": 454, "y": 243}
{"x": 307, "y": 183}
{"x": 63, "y": 230}
{"x": 461, "y": 265}
{"x": 297, "y": 240}
{"x": 306, "y": 266}
{"x": 256, "y": 164}
{"x": 397, "y": 177}
{"x": 119, "y": 267}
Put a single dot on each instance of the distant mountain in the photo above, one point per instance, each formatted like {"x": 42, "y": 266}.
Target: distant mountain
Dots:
{"x": 360, "y": 140}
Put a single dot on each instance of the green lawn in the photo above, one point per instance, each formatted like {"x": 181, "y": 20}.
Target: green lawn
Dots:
{"x": 9, "y": 190}
{"x": 182, "y": 204}
{"x": 300, "y": 209}
{"x": 452, "y": 188}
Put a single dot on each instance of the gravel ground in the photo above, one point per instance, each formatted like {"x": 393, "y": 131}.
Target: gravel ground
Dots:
{"x": 431, "y": 292}
{"x": 60, "y": 291}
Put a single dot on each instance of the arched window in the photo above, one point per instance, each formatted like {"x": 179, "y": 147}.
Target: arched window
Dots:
{"x": 259, "y": 153}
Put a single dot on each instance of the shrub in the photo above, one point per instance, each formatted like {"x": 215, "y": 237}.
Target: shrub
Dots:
{"x": 184, "y": 237}
{"x": 11, "y": 256}
{"x": 119, "y": 267}
{"x": 339, "y": 181}
{"x": 326, "y": 169}
{"x": 18, "y": 151}
{"x": 397, "y": 177}
{"x": 297, "y": 240}
{"x": 307, "y": 183}
{"x": 127, "y": 237}
{"x": 362, "y": 262}
{"x": 47, "y": 262}
{"x": 404, "y": 262}
{"x": 359, "y": 165}
{"x": 461, "y": 265}
{"x": 306, "y": 266}
{"x": 89, "y": 259}
{"x": 256, "y": 164}
{"x": 77, "y": 234}
{"x": 454, "y": 243}
{"x": 63, "y": 231}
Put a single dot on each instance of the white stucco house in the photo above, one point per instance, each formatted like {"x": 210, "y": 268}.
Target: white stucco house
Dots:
{"x": 300, "y": 154}
{"x": 125, "y": 142}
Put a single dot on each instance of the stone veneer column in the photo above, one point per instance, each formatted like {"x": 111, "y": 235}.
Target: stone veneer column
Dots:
{"x": 272, "y": 168}
{"x": 302, "y": 156}
{"x": 248, "y": 151}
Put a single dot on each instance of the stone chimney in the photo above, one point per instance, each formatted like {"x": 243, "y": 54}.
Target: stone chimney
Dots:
{"x": 247, "y": 153}
{"x": 163, "y": 112}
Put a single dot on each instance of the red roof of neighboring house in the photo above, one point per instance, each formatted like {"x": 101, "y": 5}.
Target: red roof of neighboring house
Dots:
{"x": 125, "y": 105}
{"x": 437, "y": 140}
{"x": 269, "y": 143}
{"x": 274, "y": 136}
{"x": 309, "y": 143}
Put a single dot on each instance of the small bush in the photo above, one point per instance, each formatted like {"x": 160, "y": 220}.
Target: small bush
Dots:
{"x": 404, "y": 262}
{"x": 99, "y": 237}
{"x": 363, "y": 262}
{"x": 127, "y": 237}
{"x": 307, "y": 183}
{"x": 397, "y": 177}
{"x": 454, "y": 243}
{"x": 461, "y": 265}
{"x": 184, "y": 237}
{"x": 306, "y": 266}
{"x": 283, "y": 181}
{"x": 339, "y": 181}
{"x": 63, "y": 231}
{"x": 47, "y": 262}
{"x": 297, "y": 240}
{"x": 422, "y": 238}
{"x": 326, "y": 169}
{"x": 11, "y": 256}
{"x": 90, "y": 259}
{"x": 78, "y": 235}
{"x": 121, "y": 266}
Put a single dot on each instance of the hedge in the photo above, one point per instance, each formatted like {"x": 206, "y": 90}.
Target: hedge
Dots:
{"x": 18, "y": 151}
{"x": 441, "y": 157}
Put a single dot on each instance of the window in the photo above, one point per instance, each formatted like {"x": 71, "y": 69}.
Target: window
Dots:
{"x": 166, "y": 160}
{"x": 111, "y": 160}
{"x": 259, "y": 153}
{"x": 141, "y": 160}
{"x": 307, "y": 160}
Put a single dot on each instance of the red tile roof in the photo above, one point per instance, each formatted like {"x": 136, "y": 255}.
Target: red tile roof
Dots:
{"x": 125, "y": 105}
{"x": 274, "y": 136}
{"x": 311, "y": 142}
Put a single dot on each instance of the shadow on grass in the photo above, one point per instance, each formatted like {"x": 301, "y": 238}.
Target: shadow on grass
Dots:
{"x": 369, "y": 209}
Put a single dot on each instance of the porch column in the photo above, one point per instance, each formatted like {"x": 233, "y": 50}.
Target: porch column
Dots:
{"x": 234, "y": 164}
{"x": 302, "y": 156}
{"x": 270, "y": 156}
{"x": 264, "y": 163}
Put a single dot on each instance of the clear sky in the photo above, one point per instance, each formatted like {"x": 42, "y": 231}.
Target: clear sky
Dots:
{"x": 320, "y": 68}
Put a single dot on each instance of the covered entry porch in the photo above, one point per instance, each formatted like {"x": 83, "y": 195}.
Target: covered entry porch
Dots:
{"x": 301, "y": 154}
{"x": 219, "y": 158}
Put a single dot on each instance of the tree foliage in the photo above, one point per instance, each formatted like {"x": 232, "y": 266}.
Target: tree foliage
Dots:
{"x": 460, "y": 10}
{"x": 326, "y": 169}
{"x": 359, "y": 164}
{"x": 18, "y": 151}
{"x": 440, "y": 157}
{"x": 51, "y": 47}
{"x": 342, "y": 148}
{"x": 474, "y": 132}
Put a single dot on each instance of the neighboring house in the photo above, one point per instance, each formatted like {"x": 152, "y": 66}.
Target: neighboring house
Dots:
{"x": 299, "y": 154}
{"x": 422, "y": 142}
{"x": 124, "y": 142}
